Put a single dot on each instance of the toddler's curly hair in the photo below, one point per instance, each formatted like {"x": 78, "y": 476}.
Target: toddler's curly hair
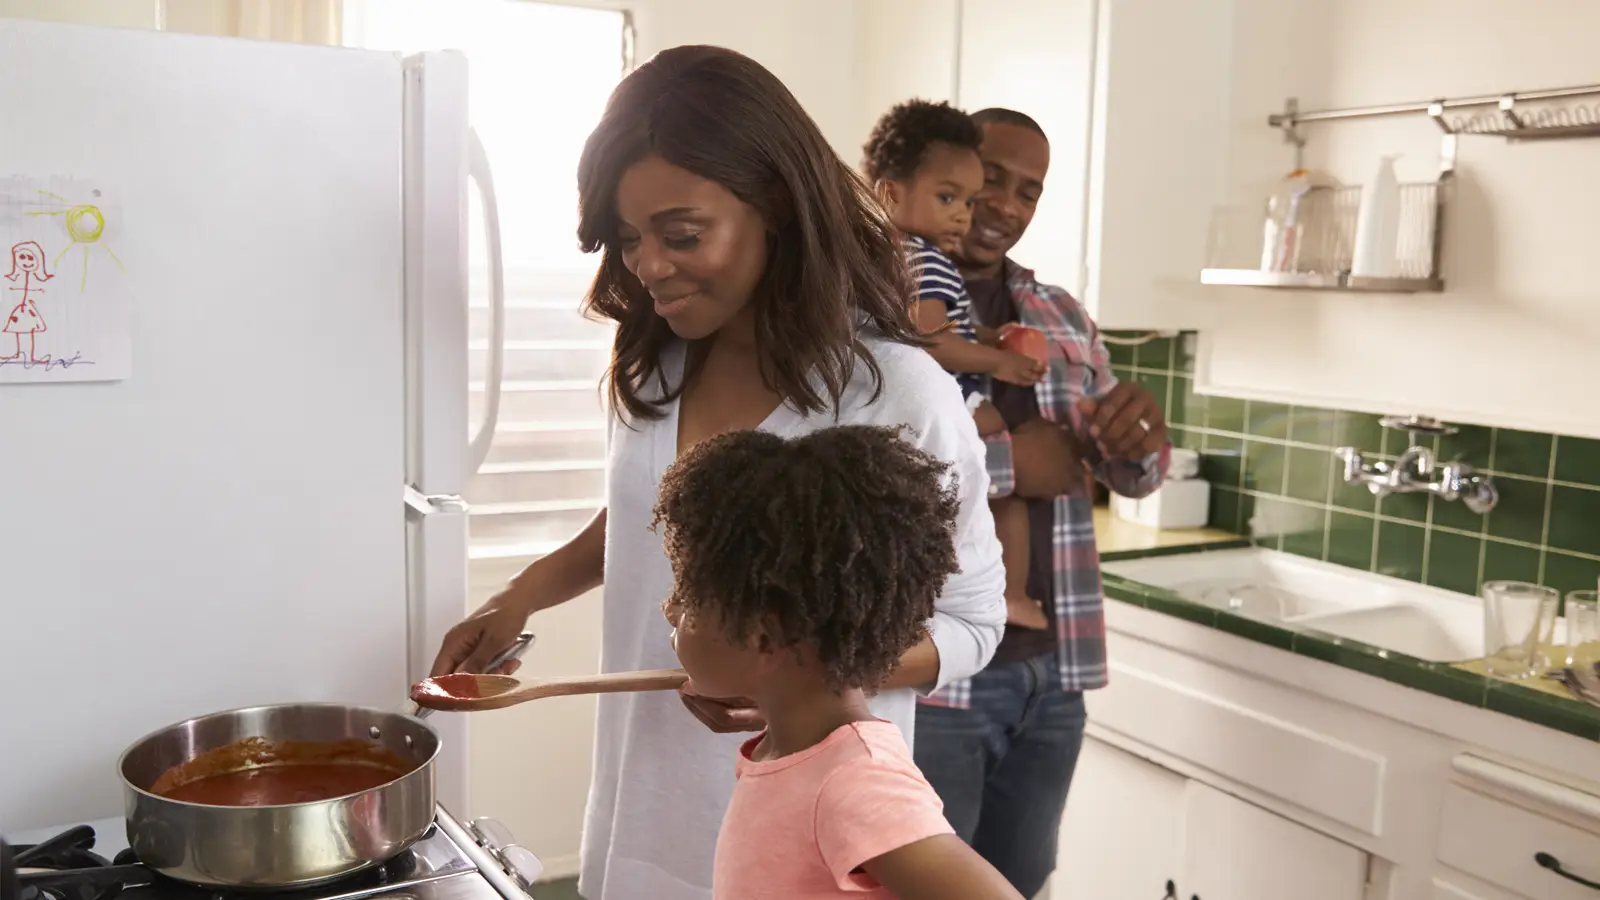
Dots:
{"x": 840, "y": 540}
{"x": 901, "y": 139}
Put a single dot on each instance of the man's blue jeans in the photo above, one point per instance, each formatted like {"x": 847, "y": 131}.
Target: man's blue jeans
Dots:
{"x": 1003, "y": 766}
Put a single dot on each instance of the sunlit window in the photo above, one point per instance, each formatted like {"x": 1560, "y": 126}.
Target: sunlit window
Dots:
{"x": 539, "y": 75}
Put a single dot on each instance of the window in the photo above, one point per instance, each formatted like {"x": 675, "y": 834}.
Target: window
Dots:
{"x": 539, "y": 76}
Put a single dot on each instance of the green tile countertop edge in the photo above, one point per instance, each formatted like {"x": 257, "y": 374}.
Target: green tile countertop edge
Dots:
{"x": 1176, "y": 549}
{"x": 1440, "y": 679}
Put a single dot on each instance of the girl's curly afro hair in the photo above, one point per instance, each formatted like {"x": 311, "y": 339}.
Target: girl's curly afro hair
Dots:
{"x": 839, "y": 541}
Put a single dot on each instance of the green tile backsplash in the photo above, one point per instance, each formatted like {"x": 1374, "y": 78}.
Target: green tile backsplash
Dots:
{"x": 1274, "y": 477}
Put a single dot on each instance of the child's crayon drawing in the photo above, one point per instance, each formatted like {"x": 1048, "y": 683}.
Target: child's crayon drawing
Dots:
{"x": 60, "y": 329}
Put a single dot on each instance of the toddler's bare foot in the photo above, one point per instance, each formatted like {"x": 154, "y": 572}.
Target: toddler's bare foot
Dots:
{"x": 1025, "y": 612}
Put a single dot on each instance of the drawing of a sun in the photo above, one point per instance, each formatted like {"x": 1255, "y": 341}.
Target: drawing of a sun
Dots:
{"x": 85, "y": 224}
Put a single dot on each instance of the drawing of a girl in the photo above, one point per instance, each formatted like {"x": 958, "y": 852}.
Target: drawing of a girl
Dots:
{"x": 28, "y": 267}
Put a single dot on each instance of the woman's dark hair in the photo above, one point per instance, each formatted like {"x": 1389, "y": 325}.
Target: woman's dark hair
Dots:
{"x": 900, "y": 141}
{"x": 839, "y": 541}
{"x": 834, "y": 264}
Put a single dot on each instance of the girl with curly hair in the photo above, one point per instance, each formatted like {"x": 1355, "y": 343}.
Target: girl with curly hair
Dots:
{"x": 804, "y": 568}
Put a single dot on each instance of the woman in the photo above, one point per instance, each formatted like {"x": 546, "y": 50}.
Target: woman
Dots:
{"x": 27, "y": 265}
{"x": 755, "y": 284}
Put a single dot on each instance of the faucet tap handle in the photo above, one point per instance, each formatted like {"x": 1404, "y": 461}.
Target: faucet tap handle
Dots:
{"x": 1353, "y": 463}
{"x": 1463, "y": 482}
{"x": 1417, "y": 461}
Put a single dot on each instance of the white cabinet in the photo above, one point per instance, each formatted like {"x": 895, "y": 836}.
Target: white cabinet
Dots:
{"x": 1136, "y": 831}
{"x": 1134, "y": 96}
{"x": 1122, "y": 835}
{"x": 1513, "y": 847}
{"x": 1233, "y": 850}
{"x": 1289, "y": 777}
{"x": 1447, "y": 886}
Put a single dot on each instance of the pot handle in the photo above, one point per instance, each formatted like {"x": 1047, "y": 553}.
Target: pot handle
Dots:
{"x": 515, "y": 651}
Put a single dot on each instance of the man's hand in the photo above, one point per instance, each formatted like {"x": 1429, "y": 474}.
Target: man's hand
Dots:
{"x": 1047, "y": 459}
{"x": 1126, "y": 423}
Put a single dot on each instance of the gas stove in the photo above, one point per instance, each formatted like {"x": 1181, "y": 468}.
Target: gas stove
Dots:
{"x": 479, "y": 860}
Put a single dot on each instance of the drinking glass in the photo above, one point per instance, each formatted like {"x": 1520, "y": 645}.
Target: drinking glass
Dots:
{"x": 1516, "y": 617}
{"x": 1583, "y": 628}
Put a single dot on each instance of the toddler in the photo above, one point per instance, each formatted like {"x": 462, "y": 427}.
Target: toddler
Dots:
{"x": 805, "y": 569}
{"x": 922, "y": 160}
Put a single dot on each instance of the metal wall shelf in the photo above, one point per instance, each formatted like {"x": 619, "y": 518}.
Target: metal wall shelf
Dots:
{"x": 1319, "y": 281}
{"x": 1543, "y": 115}
{"x": 1555, "y": 113}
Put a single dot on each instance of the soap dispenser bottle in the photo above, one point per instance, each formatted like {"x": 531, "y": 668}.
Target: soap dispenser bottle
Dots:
{"x": 1378, "y": 225}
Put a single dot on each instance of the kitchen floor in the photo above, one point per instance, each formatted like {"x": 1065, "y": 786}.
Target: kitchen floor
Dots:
{"x": 565, "y": 889}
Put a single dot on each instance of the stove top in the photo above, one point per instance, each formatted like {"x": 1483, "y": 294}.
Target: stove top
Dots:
{"x": 452, "y": 861}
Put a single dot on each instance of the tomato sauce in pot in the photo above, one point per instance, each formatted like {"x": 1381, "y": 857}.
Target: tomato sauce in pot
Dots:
{"x": 258, "y": 772}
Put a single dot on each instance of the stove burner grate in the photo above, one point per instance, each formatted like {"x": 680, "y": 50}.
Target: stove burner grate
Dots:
{"x": 66, "y": 868}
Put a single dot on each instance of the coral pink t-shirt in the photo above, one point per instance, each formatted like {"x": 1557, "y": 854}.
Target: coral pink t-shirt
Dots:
{"x": 799, "y": 827}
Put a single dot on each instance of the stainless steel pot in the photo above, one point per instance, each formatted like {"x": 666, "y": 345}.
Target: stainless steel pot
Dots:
{"x": 276, "y": 847}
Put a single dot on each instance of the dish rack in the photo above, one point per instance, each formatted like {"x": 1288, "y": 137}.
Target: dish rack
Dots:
{"x": 1325, "y": 239}
{"x": 1323, "y": 246}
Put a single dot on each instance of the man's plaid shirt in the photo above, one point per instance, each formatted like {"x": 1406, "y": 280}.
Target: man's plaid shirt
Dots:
{"x": 1079, "y": 367}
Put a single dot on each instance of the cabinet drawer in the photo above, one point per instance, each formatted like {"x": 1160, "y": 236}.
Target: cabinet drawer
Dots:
{"x": 1286, "y": 757}
{"x": 1499, "y": 843}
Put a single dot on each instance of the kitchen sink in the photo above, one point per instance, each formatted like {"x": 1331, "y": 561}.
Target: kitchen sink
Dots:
{"x": 1321, "y": 598}
{"x": 1435, "y": 633}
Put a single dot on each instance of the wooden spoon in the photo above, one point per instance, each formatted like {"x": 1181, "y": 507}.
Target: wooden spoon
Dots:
{"x": 465, "y": 692}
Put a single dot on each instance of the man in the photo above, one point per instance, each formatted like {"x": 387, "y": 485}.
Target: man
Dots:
{"x": 1000, "y": 748}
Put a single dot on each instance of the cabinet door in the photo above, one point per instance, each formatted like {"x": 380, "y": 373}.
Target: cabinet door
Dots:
{"x": 1158, "y": 158}
{"x": 1123, "y": 830}
{"x": 1037, "y": 57}
{"x": 1233, "y": 850}
{"x": 1446, "y": 888}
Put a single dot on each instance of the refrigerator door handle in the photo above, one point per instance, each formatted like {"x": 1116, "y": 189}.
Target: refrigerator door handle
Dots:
{"x": 478, "y": 171}
{"x": 433, "y": 504}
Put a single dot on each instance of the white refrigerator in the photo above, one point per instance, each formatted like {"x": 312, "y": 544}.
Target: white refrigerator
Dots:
{"x": 266, "y": 508}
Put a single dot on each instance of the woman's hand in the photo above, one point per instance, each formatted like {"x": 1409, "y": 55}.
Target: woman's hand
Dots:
{"x": 1019, "y": 369}
{"x": 473, "y": 643}
{"x": 724, "y": 716}
{"x": 573, "y": 568}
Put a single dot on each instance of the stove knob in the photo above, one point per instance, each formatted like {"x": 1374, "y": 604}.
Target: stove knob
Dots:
{"x": 10, "y": 884}
{"x": 522, "y": 865}
{"x": 491, "y": 834}
{"x": 518, "y": 861}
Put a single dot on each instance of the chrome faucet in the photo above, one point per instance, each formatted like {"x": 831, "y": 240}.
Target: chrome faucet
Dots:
{"x": 1413, "y": 471}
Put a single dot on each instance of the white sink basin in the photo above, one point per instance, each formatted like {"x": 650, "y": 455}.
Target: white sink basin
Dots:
{"x": 1310, "y": 596}
{"x": 1435, "y": 633}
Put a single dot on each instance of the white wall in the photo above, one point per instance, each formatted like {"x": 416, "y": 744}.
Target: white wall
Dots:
{"x": 1511, "y": 340}
{"x": 908, "y": 48}
{"x": 114, "y": 13}
{"x": 530, "y": 764}
{"x": 810, "y": 44}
